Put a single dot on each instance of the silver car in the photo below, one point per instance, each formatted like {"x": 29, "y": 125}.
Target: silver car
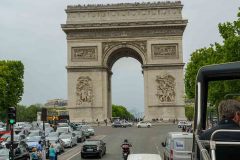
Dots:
{"x": 57, "y": 143}
{"x": 69, "y": 140}
{"x": 178, "y": 146}
{"x": 91, "y": 130}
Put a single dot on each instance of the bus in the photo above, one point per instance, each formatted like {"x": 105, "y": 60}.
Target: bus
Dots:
{"x": 58, "y": 116}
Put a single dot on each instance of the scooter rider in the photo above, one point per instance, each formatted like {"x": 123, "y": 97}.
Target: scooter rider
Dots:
{"x": 126, "y": 147}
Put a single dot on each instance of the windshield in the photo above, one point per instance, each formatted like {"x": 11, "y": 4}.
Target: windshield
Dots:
{"x": 92, "y": 142}
{"x": 53, "y": 134}
{"x": 5, "y": 136}
{"x": 34, "y": 133}
{"x": 34, "y": 138}
{"x": 62, "y": 129}
{"x": 16, "y": 138}
{"x": 4, "y": 152}
{"x": 65, "y": 136}
{"x": 52, "y": 138}
{"x": 78, "y": 132}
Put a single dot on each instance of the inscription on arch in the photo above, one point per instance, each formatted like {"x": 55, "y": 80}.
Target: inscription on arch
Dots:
{"x": 164, "y": 51}
{"x": 84, "y": 54}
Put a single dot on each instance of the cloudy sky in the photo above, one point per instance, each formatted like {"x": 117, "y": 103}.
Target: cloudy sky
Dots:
{"x": 30, "y": 32}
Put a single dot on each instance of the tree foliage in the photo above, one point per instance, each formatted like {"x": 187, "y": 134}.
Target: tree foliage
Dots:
{"x": 121, "y": 111}
{"x": 217, "y": 53}
{"x": 189, "y": 112}
{"x": 27, "y": 113}
{"x": 11, "y": 85}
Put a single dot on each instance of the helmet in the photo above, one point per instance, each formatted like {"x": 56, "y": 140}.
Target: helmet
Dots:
{"x": 125, "y": 141}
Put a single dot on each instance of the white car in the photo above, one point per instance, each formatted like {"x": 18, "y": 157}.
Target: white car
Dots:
{"x": 128, "y": 124}
{"x": 184, "y": 123}
{"x": 91, "y": 131}
{"x": 144, "y": 156}
{"x": 142, "y": 124}
{"x": 69, "y": 139}
{"x": 61, "y": 130}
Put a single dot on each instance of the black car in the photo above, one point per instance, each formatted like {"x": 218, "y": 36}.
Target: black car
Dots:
{"x": 80, "y": 136}
{"x": 20, "y": 153}
{"x": 92, "y": 148}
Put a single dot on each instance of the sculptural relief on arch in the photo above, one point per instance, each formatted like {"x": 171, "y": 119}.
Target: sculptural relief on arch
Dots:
{"x": 98, "y": 35}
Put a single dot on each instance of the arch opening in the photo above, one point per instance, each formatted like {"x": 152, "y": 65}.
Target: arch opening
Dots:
{"x": 128, "y": 92}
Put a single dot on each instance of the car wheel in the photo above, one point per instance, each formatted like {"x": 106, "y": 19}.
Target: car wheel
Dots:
{"x": 71, "y": 145}
{"x": 138, "y": 126}
{"x": 82, "y": 156}
{"x": 100, "y": 155}
{"x": 148, "y": 126}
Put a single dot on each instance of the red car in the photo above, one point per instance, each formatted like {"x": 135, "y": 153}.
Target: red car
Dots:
{"x": 4, "y": 135}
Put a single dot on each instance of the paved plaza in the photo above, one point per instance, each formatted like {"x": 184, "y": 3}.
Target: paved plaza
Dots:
{"x": 143, "y": 140}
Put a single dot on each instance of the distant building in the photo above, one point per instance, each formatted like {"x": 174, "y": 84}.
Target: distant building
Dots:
{"x": 56, "y": 103}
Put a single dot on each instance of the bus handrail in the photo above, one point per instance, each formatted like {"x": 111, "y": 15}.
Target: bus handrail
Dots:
{"x": 213, "y": 143}
{"x": 204, "y": 153}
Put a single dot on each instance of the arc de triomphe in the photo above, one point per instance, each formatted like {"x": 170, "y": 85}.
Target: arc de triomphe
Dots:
{"x": 98, "y": 35}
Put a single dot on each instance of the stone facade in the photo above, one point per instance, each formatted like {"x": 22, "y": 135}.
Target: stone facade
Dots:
{"x": 98, "y": 35}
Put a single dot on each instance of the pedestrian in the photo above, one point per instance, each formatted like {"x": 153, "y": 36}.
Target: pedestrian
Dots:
{"x": 184, "y": 129}
{"x": 52, "y": 152}
{"x": 105, "y": 121}
{"x": 34, "y": 154}
{"x": 44, "y": 153}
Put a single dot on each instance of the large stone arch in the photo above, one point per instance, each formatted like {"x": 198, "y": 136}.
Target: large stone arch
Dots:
{"x": 98, "y": 35}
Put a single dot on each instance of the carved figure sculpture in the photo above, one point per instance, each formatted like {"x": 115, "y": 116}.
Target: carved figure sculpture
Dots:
{"x": 84, "y": 90}
{"x": 166, "y": 88}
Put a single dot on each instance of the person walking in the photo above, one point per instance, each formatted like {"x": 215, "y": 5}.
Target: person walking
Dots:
{"x": 52, "y": 152}
{"x": 34, "y": 154}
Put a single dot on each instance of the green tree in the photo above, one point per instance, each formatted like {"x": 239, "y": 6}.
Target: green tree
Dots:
{"x": 11, "y": 85}
{"x": 27, "y": 113}
{"x": 121, "y": 111}
{"x": 229, "y": 51}
{"x": 189, "y": 112}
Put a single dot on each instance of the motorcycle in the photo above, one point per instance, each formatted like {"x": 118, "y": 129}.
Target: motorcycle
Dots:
{"x": 125, "y": 150}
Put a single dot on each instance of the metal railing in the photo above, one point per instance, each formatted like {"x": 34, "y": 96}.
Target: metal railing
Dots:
{"x": 213, "y": 143}
{"x": 203, "y": 151}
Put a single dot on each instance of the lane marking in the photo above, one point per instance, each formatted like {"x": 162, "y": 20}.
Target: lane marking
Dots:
{"x": 100, "y": 137}
{"x": 73, "y": 155}
{"x": 158, "y": 150}
{"x": 74, "y": 148}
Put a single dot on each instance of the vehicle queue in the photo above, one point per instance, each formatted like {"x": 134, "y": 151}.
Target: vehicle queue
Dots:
{"x": 30, "y": 138}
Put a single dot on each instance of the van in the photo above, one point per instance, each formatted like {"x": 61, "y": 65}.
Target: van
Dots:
{"x": 178, "y": 146}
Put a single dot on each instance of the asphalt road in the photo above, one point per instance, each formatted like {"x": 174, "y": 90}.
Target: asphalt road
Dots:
{"x": 143, "y": 140}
